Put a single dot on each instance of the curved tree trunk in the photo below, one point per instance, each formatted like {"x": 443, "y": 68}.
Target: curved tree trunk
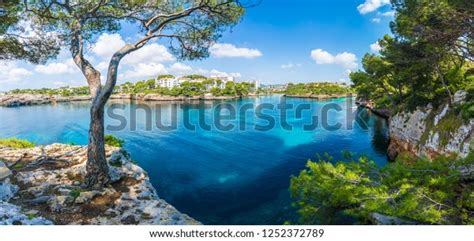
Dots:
{"x": 97, "y": 167}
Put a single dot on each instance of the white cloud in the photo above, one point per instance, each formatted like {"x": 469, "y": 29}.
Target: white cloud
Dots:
{"x": 322, "y": 57}
{"x": 56, "y": 68}
{"x": 289, "y": 66}
{"x": 179, "y": 68}
{"x": 348, "y": 60}
{"x": 375, "y": 47}
{"x": 107, "y": 45}
{"x": 376, "y": 20}
{"x": 229, "y": 50}
{"x": 215, "y": 72}
{"x": 387, "y": 14}
{"x": 142, "y": 70}
{"x": 149, "y": 53}
{"x": 10, "y": 72}
{"x": 371, "y": 5}
{"x": 102, "y": 66}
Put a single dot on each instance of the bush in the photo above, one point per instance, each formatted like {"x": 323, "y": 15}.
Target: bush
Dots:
{"x": 113, "y": 141}
{"x": 467, "y": 111}
{"x": 426, "y": 191}
{"x": 16, "y": 143}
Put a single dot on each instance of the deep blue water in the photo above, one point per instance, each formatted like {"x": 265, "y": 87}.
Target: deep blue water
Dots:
{"x": 217, "y": 177}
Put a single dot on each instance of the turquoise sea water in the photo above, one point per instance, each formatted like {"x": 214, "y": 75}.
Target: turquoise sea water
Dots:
{"x": 217, "y": 177}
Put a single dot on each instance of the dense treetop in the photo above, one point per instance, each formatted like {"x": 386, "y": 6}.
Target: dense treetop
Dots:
{"x": 428, "y": 58}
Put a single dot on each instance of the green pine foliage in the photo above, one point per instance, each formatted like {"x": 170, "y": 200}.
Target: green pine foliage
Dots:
{"x": 426, "y": 60}
{"x": 113, "y": 141}
{"x": 421, "y": 190}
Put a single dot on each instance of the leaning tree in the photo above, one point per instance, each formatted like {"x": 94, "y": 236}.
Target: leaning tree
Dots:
{"x": 189, "y": 28}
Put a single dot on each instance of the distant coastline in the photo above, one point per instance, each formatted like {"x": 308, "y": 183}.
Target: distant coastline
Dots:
{"x": 16, "y": 100}
{"x": 321, "y": 96}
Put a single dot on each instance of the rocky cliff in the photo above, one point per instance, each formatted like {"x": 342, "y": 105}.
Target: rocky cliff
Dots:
{"x": 432, "y": 131}
{"x": 42, "y": 185}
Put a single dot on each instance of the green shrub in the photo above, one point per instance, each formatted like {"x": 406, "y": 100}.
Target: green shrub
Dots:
{"x": 467, "y": 111}
{"x": 75, "y": 193}
{"x": 18, "y": 166}
{"x": 447, "y": 126}
{"x": 16, "y": 143}
{"x": 426, "y": 191}
{"x": 113, "y": 141}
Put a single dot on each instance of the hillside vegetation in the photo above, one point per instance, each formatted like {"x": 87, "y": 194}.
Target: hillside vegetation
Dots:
{"x": 317, "y": 89}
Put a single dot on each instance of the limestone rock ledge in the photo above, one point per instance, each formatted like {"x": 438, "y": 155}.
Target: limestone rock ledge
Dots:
{"x": 45, "y": 188}
{"x": 16, "y": 100}
{"x": 430, "y": 132}
{"x": 35, "y": 99}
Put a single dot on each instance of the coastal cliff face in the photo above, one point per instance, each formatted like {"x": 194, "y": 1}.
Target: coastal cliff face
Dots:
{"x": 430, "y": 132}
{"x": 42, "y": 185}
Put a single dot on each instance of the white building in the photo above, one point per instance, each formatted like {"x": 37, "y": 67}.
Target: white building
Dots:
{"x": 167, "y": 82}
{"x": 257, "y": 84}
{"x": 174, "y": 82}
{"x": 224, "y": 80}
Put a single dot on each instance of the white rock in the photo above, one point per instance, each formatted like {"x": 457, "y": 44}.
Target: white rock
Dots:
{"x": 7, "y": 190}
{"x": 441, "y": 115}
{"x": 408, "y": 128}
{"x": 4, "y": 171}
{"x": 134, "y": 202}
{"x": 460, "y": 97}
{"x": 11, "y": 214}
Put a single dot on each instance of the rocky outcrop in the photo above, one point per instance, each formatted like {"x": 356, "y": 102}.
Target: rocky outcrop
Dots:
{"x": 4, "y": 171}
{"x": 430, "y": 132}
{"x": 13, "y": 215}
{"x": 121, "y": 97}
{"x": 24, "y": 99}
{"x": 385, "y": 113}
{"x": 45, "y": 188}
{"x": 30, "y": 99}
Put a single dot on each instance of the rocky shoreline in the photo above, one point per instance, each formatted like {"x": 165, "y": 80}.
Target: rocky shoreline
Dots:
{"x": 42, "y": 185}
{"x": 369, "y": 105}
{"x": 30, "y": 99}
{"x": 420, "y": 132}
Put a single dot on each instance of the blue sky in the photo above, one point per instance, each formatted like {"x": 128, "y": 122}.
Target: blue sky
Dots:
{"x": 278, "y": 41}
